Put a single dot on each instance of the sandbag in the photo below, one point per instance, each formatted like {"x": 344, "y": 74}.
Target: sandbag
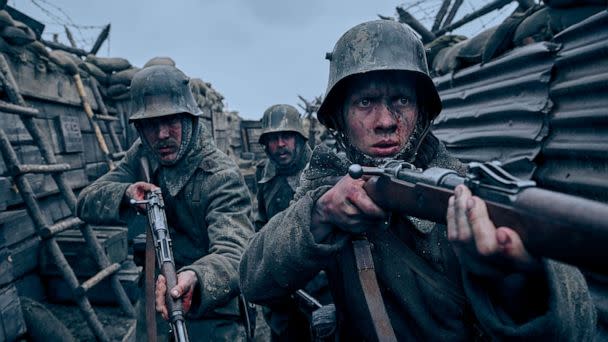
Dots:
{"x": 547, "y": 22}
{"x": 64, "y": 60}
{"x": 160, "y": 61}
{"x": 94, "y": 71}
{"x": 109, "y": 64}
{"x": 502, "y": 39}
{"x": 6, "y": 19}
{"x": 574, "y": 3}
{"x": 472, "y": 50}
{"x": 445, "y": 41}
{"x": 123, "y": 77}
{"x": 117, "y": 89}
{"x": 42, "y": 325}
{"x": 19, "y": 35}
{"x": 39, "y": 49}
{"x": 447, "y": 59}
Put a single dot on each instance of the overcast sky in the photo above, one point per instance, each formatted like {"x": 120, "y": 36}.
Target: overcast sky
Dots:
{"x": 254, "y": 52}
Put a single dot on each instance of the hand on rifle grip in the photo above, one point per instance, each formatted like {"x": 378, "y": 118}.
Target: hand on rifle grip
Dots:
{"x": 186, "y": 283}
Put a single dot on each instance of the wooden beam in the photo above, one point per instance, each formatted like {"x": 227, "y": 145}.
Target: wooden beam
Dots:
{"x": 406, "y": 18}
{"x": 494, "y": 5}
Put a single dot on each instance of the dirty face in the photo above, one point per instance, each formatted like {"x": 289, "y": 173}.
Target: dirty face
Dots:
{"x": 380, "y": 114}
{"x": 281, "y": 147}
{"x": 164, "y": 135}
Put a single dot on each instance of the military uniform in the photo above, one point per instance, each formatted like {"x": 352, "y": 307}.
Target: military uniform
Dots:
{"x": 208, "y": 212}
{"x": 276, "y": 188}
{"x": 427, "y": 294}
{"x": 284, "y": 256}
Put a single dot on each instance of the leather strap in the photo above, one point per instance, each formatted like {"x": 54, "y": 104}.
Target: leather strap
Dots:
{"x": 371, "y": 290}
{"x": 150, "y": 266}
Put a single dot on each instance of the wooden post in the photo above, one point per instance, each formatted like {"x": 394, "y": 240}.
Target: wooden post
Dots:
{"x": 100, "y": 39}
{"x": 497, "y": 4}
{"x": 452, "y": 14}
{"x": 406, "y": 18}
{"x": 87, "y": 109}
{"x": 68, "y": 33}
{"x": 441, "y": 14}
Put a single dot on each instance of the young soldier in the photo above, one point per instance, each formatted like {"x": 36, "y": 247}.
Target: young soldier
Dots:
{"x": 467, "y": 281}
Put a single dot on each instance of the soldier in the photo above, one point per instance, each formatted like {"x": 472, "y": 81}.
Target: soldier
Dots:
{"x": 278, "y": 176}
{"x": 206, "y": 202}
{"x": 463, "y": 282}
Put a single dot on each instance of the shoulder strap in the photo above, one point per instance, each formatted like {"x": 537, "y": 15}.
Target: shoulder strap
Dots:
{"x": 371, "y": 290}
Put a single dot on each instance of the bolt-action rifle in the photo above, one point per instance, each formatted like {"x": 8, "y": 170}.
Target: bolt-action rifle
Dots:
{"x": 157, "y": 221}
{"x": 563, "y": 227}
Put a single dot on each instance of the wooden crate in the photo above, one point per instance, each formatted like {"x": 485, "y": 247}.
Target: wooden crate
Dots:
{"x": 102, "y": 294}
{"x": 113, "y": 240}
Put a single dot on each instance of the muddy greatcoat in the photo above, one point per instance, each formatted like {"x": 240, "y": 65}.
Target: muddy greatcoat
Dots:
{"x": 208, "y": 209}
{"x": 452, "y": 305}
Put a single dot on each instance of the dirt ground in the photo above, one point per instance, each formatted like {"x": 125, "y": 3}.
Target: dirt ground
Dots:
{"x": 116, "y": 324}
{"x": 119, "y": 327}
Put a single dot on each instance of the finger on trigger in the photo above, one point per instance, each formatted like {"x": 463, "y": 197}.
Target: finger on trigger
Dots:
{"x": 484, "y": 230}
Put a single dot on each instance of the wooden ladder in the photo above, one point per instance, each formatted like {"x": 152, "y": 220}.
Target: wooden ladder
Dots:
{"x": 45, "y": 231}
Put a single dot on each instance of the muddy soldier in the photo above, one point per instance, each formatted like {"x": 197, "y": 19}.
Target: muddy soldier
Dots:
{"x": 462, "y": 282}
{"x": 206, "y": 202}
{"x": 278, "y": 177}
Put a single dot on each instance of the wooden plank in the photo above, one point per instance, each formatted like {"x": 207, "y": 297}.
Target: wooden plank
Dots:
{"x": 25, "y": 256}
{"x": 15, "y": 226}
{"x": 12, "y": 324}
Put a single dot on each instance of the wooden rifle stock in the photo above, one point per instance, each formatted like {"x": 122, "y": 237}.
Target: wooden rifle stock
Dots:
{"x": 563, "y": 227}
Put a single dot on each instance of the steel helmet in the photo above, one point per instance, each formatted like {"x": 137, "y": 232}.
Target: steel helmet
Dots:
{"x": 374, "y": 46}
{"x": 161, "y": 90}
{"x": 281, "y": 118}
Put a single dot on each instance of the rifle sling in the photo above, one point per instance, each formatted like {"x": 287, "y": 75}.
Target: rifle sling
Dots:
{"x": 371, "y": 290}
{"x": 150, "y": 265}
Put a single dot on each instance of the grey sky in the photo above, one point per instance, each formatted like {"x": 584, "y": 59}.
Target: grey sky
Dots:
{"x": 254, "y": 52}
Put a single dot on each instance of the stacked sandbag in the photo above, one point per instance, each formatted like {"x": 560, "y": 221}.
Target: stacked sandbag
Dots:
{"x": 113, "y": 72}
{"x": 209, "y": 100}
{"x": 546, "y": 22}
{"x": 14, "y": 34}
{"x": 440, "y": 44}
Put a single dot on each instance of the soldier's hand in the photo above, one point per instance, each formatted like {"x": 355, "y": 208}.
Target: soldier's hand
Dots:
{"x": 186, "y": 283}
{"x": 348, "y": 207}
{"x": 137, "y": 191}
{"x": 481, "y": 247}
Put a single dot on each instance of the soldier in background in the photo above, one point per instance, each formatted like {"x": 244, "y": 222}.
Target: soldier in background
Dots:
{"x": 278, "y": 177}
{"x": 395, "y": 277}
{"x": 206, "y": 202}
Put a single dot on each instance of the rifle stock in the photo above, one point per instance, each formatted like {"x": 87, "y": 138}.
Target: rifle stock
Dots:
{"x": 563, "y": 227}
